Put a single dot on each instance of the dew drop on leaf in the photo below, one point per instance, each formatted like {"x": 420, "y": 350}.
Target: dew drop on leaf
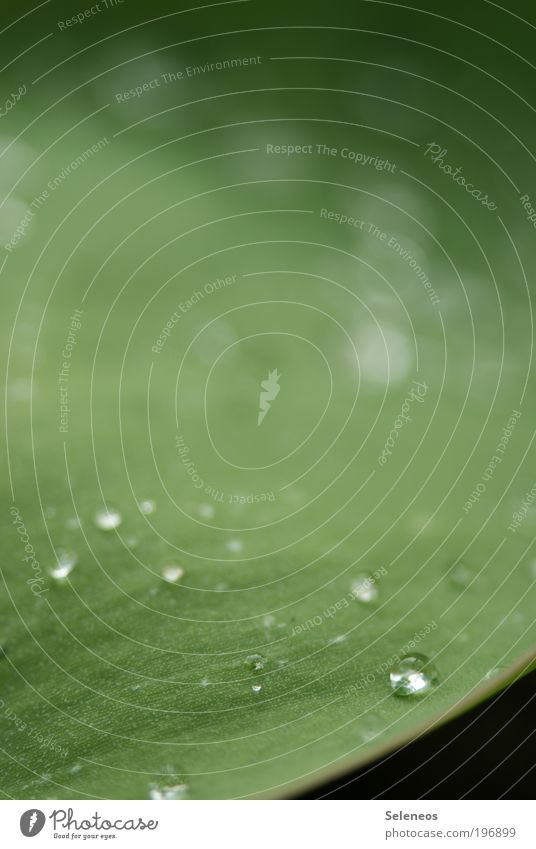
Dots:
{"x": 255, "y": 662}
{"x": 413, "y": 675}
{"x": 365, "y": 589}
{"x": 65, "y": 563}
{"x": 107, "y": 519}
{"x": 167, "y": 791}
{"x": 460, "y": 576}
{"x": 172, "y": 573}
{"x": 206, "y": 511}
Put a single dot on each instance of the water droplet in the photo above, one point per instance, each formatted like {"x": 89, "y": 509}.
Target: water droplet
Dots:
{"x": 365, "y": 589}
{"x": 167, "y": 791}
{"x": 147, "y": 506}
{"x": 204, "y": 682}
{"x": 132, "y": 542}
{"x": 234, "y": 545}
{"x": 73, "y": 523}
{"x": 268, "y": 621}
{"x": 255, "y": 662}
{"x": 335, "y": 640}
{"x": 107, "y": 519}
{"x": 65, "y": 563}
{"x": 493, "y": 673}
{"x": 206, "y": 511}
{"x": 413, "y": 675}
{"x": 172, "y": 573}
{"x": 460, "y": 576}
{"x": 256, "y": 688}
{"x": 371, "y": 727}
{"x": 75, "y": 769}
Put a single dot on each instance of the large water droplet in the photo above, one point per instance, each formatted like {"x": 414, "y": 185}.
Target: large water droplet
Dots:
{"x": 65, "y": 563}
{"x": 167, "y": 791}
{"x": 107, "y": 518}
{"x": 413, "y": 675}
{"x": 365, "y": 589}
{"x": 172, "y": 573}
{"x": 255, "y": 662}
{"x": 147, "y": 506}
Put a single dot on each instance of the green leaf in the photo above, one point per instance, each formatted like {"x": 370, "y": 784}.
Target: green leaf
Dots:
{"x": 374, "y": 460}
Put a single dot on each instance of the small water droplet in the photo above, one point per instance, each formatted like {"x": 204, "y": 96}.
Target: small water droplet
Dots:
{"x": 371, "y": 727}
{"x": 204, "y": 682}
{"x": 147, "y": 506}
{"x": 234, "y": 545}
{"x": 255, "y": 662}
{"x": 268, "y": 621}
{"x": 365, "y": 589}
{"x": 75, "y": 769}
{"x": 493, "y": 673}
{"x": 336, "y": 640}
{"x": 73, "y": 523}
{"x": 413, "y": 675}
{"x": 460, "y": 576}
{"x": 107, "y": 519}
{"x": 172, "y": 573}
{"x": 206, "y": 511}
{"x": 65, "y": 563}
{"x": 160, "y": 792}
{"x": 132, "y": 542}
{"x": 256, "y": 688}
